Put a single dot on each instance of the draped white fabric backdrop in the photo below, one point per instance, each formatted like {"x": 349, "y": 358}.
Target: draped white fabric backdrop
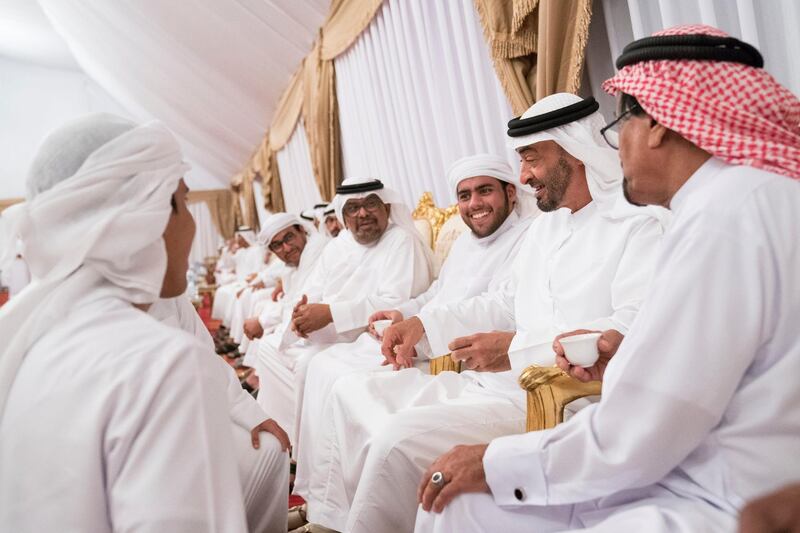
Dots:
{"x": 416, "y": 92}
{"x": 212, "y": 71}
{"x": 300, "y": 189}
{"x": 206, "y": 237}
{"x": 261, "y": 211}
{"x": 771, "y": 26}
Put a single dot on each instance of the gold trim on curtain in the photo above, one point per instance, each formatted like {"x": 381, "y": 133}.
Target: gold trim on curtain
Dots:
{"x": 220, "y": 205}
{"x": 537, "y": 46}
{"x": 321, "y": 120}
{"x": 311, "y": 94}
{"x": 346, "y": 20}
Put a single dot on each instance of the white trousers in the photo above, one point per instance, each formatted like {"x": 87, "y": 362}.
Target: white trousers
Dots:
{"x": 385, "y": 429}
{"x": 224, "y": 299}
{"x": 650, "y": 510}
{"x": 244, "y": 308}
{"x": 282, "y": 376}
{"x": 361, "y": 356}
{"x": 264, "y": 475}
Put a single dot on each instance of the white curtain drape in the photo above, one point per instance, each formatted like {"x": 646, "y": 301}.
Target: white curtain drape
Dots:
{"x": 416, "y": 92}
{"x": 261, "y": 211}
{"x": 206, "y": 236}
{"x": 300, "y": 189}
{"x": 771, "y": 26}
{"x": 211, "y": 70}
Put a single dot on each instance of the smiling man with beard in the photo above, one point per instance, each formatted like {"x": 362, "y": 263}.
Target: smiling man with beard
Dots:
{"x": 498, "y": 213}
{"x": 585, "y": 264}
{"x": 700, "y": 404}
{"x": 379, "y": 261}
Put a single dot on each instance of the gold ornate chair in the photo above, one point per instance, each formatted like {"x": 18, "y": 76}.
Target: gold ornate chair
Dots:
{"x": 440, "y": 227}
{"x": 549, "y": 389}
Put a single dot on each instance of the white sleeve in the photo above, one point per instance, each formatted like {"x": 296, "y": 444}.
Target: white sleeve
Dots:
{"x": 399, "y": 273}
{"x": 668, "y": 372}
{"x": 177, "y": 474}
{"x": 486, "y": 312}
{"x": 411, "y": 307}
{"x": 244, "y": 410}
{"x": 628, "y": 290}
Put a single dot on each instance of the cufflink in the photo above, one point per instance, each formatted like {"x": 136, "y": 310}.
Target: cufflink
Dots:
{"x": 519, "y": 494}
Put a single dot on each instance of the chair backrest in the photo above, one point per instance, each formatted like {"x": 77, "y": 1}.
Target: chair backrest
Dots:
{"x": 439, "y": 226}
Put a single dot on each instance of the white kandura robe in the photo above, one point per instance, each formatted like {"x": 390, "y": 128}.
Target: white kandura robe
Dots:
{"x": 294, "y": 279}
{"x": 581, "y": 270}
{"x": 116, "y": 422}
{"x": 263, "y": 472}
{"x": 17, "y": 276}
{"x": 244, "y": 305}
{"x": 355, "y": 281}
{"x": 473, "y": 266}
{"x": 247, "y": 261}
{"x": 700, "y": 410}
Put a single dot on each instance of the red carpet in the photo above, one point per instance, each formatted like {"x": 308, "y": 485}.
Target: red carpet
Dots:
{"x": 205, "y": 315}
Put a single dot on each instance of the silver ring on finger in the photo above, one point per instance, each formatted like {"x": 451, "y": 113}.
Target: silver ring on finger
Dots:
{"x": 437, "y": 479}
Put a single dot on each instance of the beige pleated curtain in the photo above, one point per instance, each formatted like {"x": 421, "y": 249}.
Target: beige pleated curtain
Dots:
{"x": 220, "y": 205}
{"x": 537, "y": 47}
{"x": 311, "y": 94}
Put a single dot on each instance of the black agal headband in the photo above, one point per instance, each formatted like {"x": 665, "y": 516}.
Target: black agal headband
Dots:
{"x": 517, "y": 127}
{"x": 374, "y": 185}
{"x": 696, "y": 46}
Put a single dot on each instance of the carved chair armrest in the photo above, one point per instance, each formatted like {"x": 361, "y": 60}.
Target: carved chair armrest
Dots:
{"x": 549, "y": 391}
{"x": 444, "y": 363}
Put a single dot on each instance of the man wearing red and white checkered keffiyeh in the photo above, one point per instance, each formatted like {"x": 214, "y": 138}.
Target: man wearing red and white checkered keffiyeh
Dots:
{"x": 700, "y": 411}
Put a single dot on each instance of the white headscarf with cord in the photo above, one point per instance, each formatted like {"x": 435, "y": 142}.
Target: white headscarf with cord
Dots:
{"x": 583, "y": 141}
{"x": 495, "y": 167}
{"x": 99, "y": 198}
{"x": 276, "y": 223}
{"x": 248, "y": 235}
{"x": 399, "y": 215}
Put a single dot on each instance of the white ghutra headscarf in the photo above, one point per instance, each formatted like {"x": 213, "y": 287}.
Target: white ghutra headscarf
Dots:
{"x": 99, "y": 199}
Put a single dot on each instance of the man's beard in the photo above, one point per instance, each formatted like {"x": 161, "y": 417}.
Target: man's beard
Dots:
{"x": 556, "y": 182}
{"x": 367, "y": 235}
{"x": 626, "y": 192}
{"x": 500, "y": 216}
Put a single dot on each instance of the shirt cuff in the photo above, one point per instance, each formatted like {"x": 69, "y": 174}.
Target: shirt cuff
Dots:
{"x": 343, "y": 317}
{"x": 514, "y": 469}
{"x": 522, "y": 357}
{"x": 436, "y": 341}
{"x": 248, "y": 414}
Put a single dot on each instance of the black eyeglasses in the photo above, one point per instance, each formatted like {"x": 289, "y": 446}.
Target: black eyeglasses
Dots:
{"x": 371, "y": 204}
{"x": 613, "y": 140}
{"x": 289, "y": 238}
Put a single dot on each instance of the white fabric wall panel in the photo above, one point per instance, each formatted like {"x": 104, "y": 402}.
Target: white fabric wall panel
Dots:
{"x": 300, "y": 189}
{"x": 416, "y": 92}
{"x": 261, "y": 211}
{"x": 206, "y": 237}
{"x": 770, "y": 26}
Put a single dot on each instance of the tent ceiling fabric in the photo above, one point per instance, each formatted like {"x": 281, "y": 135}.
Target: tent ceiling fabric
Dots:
{"x": 211, "y": 70}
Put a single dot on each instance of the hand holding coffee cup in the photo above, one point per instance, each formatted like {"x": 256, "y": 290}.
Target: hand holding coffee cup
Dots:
{"x": 380, "y": 320}
{"x": 581, "y": 350}
{"x": 584, "y": 354}
{"x": 380, "y": 326}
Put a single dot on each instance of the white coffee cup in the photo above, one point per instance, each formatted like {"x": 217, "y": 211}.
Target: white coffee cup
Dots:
{"x": 380, "y": 326}
{"x": 581, "y": 350}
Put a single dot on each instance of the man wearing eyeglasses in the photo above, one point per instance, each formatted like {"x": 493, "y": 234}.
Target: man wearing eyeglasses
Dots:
{"x": 585, "y": 263}
{"x": 298, "y": 248}
{"x": 378, "y": 261}
{"x": 700, "y": 410}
